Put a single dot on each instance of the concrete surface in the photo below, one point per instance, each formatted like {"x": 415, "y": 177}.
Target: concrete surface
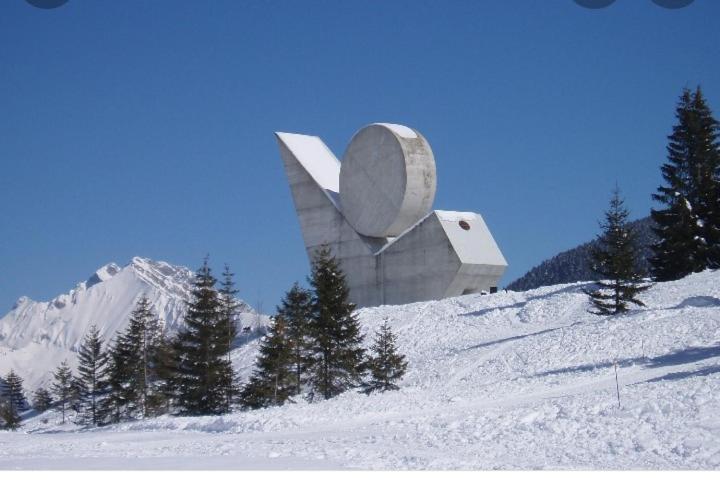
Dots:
{"x": 387, "y": 180}
{"x": 437, "y": 254}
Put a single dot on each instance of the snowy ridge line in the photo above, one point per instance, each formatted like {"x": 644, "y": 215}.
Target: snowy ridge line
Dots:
{"x": 35, "y": 337}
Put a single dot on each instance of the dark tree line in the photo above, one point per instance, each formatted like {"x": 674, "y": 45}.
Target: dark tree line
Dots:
{"x": 313, "y": 346}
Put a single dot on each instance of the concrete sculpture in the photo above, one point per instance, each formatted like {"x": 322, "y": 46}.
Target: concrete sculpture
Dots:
{"x": 374, "y": 213}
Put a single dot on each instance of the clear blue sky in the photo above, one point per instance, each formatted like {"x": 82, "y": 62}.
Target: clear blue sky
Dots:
{"x": 145, "y": 127}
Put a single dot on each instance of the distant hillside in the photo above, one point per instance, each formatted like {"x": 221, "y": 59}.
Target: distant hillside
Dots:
{"x": 572, "y": 265}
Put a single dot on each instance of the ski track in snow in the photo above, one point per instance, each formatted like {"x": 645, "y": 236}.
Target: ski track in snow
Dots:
{"x": 506, "y": 381}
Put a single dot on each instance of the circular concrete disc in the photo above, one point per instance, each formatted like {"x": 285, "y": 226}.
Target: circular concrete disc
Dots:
{"x": 387, "y": 180}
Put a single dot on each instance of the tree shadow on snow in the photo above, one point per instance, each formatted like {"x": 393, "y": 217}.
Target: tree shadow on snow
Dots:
{"x": 683, "y": 356}
{"x": 675, "y": 376}
{"x": 514, "y": 338}
{"x": 699, "y": 301}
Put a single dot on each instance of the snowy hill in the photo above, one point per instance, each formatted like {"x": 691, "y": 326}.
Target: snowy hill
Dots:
{"x": 511, "y": 380}
{"x": 573, "y": 265}
{"x": 36, "y": 336}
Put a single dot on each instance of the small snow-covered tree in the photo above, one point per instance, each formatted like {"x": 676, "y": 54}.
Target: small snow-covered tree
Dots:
{"x": 386, "y": 365}
{"x": 166, "y": 371}
{"x": 296, "y": 310}
{"x": 228, "y": 317}
{"x": 119, "y": 372}
{"x": 92, "y": 378}
{"x": 62, "y": 387}
{"x": 271, "y": 383}
{"x": 615, "y": 260}
{"x": 42, "y": 400}
{"x": 133, "y": 362}
{"x": 13, "y": 391}
{"x": 9, "y": 417}
{"x": 203, "y": 370}
{"x": 334, "y": 333}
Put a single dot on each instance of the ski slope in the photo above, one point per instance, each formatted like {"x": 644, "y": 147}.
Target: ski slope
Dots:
{"x": 506, "y": 381}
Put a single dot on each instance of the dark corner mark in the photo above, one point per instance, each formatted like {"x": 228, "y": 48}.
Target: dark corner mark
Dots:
{"x": 47, "y": 4}
{"x": 670, "y": 4}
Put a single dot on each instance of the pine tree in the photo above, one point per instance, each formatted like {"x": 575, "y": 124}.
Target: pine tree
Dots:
{"x": 615, "y": 260}
{"x": 296, "y": 310}
{"x": 62, "y": 386}
{"x": 203, "y": 370}
{"x": 13, "y": 392}
{"x": 166, "y": 371}
{"x": 119, "y": 378}
{"x": 92, "y": 379}
{"x": 387, "y": 366}
{"x": 133, "y": 372}
{"x": 9, "y": 417}
{"x": 144, "y": 331}
{"x": 42, "y": 401}
{"x": 708, "y": 181}
{"x": 76, "y": 396}
{"x": 337, "y": 355}
{"x": 688, "y": 226}
{"x": 271, "y": 384}
{"x": 229, "y": 311}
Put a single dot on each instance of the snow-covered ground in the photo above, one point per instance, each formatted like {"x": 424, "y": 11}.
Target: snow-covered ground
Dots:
{"x": 509, "y": 381}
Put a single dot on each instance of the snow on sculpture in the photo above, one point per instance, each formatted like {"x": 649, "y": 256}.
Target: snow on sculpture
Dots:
{"x": 374, "y": 213}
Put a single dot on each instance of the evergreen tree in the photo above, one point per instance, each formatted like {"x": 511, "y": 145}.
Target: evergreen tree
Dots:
{"x": 337, "y": 355}
{"x": 13, "y": 392}
{"x": 119, "y": 378}
{"x": 387, "y": 366}
{"x": 42, "y": 401}
{"x": 166, "y": 371}
{"x": 271, "y": 384}
{"x": 296, "y": 310}
{"x": 144, "y": 331}
{"x": 62, "y": 386}
{"x": 76, "y": 396}
{"x": 133, "y": 375}
{"x": 229, "y": 312}
{"x": 708, "y": 181}
{"x": 203, "y": 370}
{"x": 615, "y": 260}
{"x": 9, "y": 417}
{"x": 92, "y": 379}
{"x": 688, "y": 226}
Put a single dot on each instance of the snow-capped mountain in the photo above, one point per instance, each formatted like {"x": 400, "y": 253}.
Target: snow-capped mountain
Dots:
{"x": 36, "y": 336}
